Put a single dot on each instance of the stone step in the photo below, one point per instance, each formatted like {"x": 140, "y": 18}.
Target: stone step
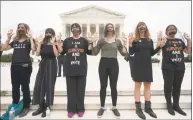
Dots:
{"x": 93, "y": 103}
{"x": 92, "y": 114}
{"x": 96, "y": 93}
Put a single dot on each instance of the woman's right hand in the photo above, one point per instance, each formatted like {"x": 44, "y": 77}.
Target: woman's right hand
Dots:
{"x": 10, "y": 34}
{"x": 93, "y": 37}
{"x": 130, "y": 39}
{"x": 40, "y": 39}
{"x": 163, "y": 41}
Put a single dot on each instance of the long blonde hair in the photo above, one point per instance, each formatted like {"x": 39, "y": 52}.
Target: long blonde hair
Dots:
{"x": 18, "y": 36}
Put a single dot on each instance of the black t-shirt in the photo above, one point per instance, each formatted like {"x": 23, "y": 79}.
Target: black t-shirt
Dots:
{"x": 173, "y": 55}
{"x": 76, "y": 56}
{"x": 47, "y": 51}
{"x": 21, "y": 52}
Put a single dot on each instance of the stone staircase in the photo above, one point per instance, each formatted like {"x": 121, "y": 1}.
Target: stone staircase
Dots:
{"x": 125, "y": 104}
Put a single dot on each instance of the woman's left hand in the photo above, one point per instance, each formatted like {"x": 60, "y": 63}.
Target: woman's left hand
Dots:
{"x": 186, "y": 36}
{"x": 124, "y": 39}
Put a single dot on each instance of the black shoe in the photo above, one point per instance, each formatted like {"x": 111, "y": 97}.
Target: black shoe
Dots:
{"x": 149, "y": 110}
{"x": 139, "y": 111}
{"x": 100, "y": 112}
{"x": 38, "y": 111}
{"x": 24, "y": 112}
{"x": 170, "y": 109}
{"x": 44, "y": 114}
{"x": 177, "y": 108}
{"x": 116, "y": 112}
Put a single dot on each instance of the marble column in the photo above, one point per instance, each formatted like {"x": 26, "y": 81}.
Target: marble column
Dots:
{"x": 70, "y": 30}
{"x": 64, "y": 31}
{"x": 81, "y": 30}
{"x": 88, "y": 29}
{"x": 120, "y": 30}
{"x": 97, "y": 28}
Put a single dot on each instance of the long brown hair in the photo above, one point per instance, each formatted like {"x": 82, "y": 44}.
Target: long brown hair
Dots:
{"x": 51, "y": 31}
{"x": 137, "y": 35}
{"x": 106, "y": 29}
{"x": 17, "y": 37}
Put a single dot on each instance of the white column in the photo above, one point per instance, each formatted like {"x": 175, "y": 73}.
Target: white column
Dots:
{"x": 70, "y": 30}
{"x": 64, "y": 31}
{"x": 88, "y": 29}
{"x": 120, "y": 29}
{"x": 97, "y": 28}
{"x": 81, "y": 30}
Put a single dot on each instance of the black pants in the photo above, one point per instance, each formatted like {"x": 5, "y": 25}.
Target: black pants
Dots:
{"x": 108, "y": 67}
{"x": 61, "y": 65}
{"x": 172, "y": 84}
{"x": 21, "y": 76}
{"x": 75, "y": 92}
{"x": 1, "y": 53}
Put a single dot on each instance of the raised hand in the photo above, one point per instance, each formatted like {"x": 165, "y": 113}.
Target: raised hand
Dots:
{"x": 186, "y": 36}
{"x": 124, "y": 39}
{"x": 93, "y": 37}
{"x": 59, "y": 37}
{"x": 10, "y": 33}
{"x": 159, "y": 35}
{"x": 29, "y": 34}
{"x": 59, "y": 43}
{"x": 40, "y": 39}
{"x": 130, "y": 38}
{"x": 163, "y": 41}
{"x": 53, "y": 40}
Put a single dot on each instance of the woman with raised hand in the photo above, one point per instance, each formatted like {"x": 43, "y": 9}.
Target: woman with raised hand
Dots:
{"x": 76, "y": 49}
{"x": 173, "y": 67}
{"x": 21, "y": 66}
{"x": 43, "y": 94}
{"x": 108, "y": 66}
{"x": 141, "y": 49}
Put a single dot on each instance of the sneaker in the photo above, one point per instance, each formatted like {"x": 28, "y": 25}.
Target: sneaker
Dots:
{"x": 116, "y": 112}
{"x": 100, "y": 112}
{"x": 80, "y": 114}
{"x": 70, "y": 114}
{"x": 48, "y": 111}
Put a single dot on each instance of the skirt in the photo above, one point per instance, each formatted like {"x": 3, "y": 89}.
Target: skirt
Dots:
{"x": 45, "y": 82}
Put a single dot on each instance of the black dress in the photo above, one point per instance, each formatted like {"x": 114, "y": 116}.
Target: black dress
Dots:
{"x": 46, "y": 77}
{"x": 140, "y": 60}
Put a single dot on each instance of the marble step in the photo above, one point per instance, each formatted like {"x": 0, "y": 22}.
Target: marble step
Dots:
{"x": 92, "y": 114}
{"x": 93, "y": 103}
{"x": 96, "y": 93}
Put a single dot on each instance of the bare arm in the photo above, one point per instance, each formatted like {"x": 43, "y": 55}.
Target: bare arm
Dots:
{"x": 157, "y": 45}
{"x": 38, "y": 49}
{"x": 32, "y": 44}
{"x": 189, "y": 47}
{"x": 60, "y": 45}
{"x": 56, "y": 53}
{"x": 6, "y": 45}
